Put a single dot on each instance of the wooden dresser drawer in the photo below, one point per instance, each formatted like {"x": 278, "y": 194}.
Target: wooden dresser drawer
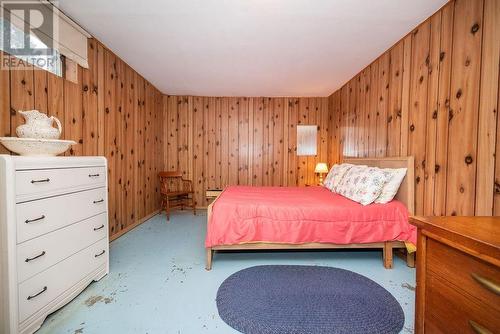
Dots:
{"x": 38, "y": 254}
{"x": 464, "y": 271}
{"x": 46, "y": 215}
{"x": 454, "y": 311}
{"x": 44, "y": 287}
{"x": 458, "y": 272}
{"x": 33, "y": 184}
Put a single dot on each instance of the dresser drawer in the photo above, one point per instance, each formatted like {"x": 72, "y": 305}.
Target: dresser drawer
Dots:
{"x": 452, "y": 311}
{"x": 44, "y": 287}
{"x": 46, "y": 215}
{"x": 464, "y": 271}
{"x": 32, "y": 184}
{"x": 38, "y": 254}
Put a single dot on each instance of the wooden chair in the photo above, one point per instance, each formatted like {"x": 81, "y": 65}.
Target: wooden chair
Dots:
{"x": 175, "y": 191}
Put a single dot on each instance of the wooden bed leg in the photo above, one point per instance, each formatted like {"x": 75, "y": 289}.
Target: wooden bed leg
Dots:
{"x": 410, "y": 259}
{"x": 210, "y": 254}
{"x": 387, "y": 253}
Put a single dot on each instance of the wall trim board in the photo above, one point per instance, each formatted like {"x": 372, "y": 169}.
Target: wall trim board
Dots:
{"x": 134, "y": 225}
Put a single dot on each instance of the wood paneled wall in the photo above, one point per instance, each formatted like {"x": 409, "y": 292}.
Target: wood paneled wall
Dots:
{"x": 219, "y": 141}
{"x": 111, "y": 111}
{"x": 434, "y": 95}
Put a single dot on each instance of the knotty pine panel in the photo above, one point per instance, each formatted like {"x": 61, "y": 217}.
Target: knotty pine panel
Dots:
{"x": 418, "y": 107}
{"x": 344, "y": 121}
{"x": 110, "y": 135}
{"x": 55, "y": 95}
{"x": 199, "y": 153}
{"x": 21, "y": 92}
{"x": 431, "y": 114}
{"x": 243, "y": 143}
{"x": 291, "y": 128}
{"x": 148, "y": 144}
{"x": 224, "y": 142}
{"x": 278, "y": 128}
{"x": 488, "y": 115}
{"x": 394, "y": 118}
{"x": 464, "y": 104}
{"x": 246, "y": 140}
{"x": 323, "y": 124}
{"x": 130, "y": 138}
{"x": 258, "y": 141}
{"x": 443, "y": 110}
{"x": 334, "y": 125}
{"x": 353, "y": 112}
{"x": 218, "y": 146}
{"x": 312, "y": 111}
{"x": 89, "y": 102}
{"x": 372, "y": 110}
{"x": 40, "y": 89}
{"x": 362, "y": 112}
{"x": 233, "y": 143}
{"x": 73, "y": 115}
{"x": 302, "y": 160}
{"x": 105, "y": 113}
{"x": 141, "y": 147}
{"x": 438, "y": 98}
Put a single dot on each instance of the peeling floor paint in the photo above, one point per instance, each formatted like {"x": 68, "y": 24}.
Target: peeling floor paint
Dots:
{"x": 158, "y": 284}
{"x": 408, "y": 286}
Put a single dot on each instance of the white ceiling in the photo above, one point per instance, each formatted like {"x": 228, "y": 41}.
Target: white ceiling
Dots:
{"x": 249, "y": 47}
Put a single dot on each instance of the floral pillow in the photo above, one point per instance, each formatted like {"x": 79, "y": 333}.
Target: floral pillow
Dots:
{"x": 391, "y": 188}
{"x": 363, "y": 184}
{"x": 335, "y": 176}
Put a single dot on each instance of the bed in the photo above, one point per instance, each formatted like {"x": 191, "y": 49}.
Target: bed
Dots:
{"x": 278, "y": 218}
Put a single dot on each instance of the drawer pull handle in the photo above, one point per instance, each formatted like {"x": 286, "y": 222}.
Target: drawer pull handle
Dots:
{"x": 93, "y": 175}
{"x": 98, "y": 228}
{"x": 101, "y": 253}
{"x": 99, "y": 201}
{"x": 38, "y": 294}
{"x": 27, "y": 221}
{"x": 492, "y": 286}
{"x": 40, "y": 181}
{"x": 478, "y": 329}
{"x": 35, "y": 257}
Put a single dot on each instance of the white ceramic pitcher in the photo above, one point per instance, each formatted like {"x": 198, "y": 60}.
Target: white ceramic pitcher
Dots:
{"x": 38, "y": 125}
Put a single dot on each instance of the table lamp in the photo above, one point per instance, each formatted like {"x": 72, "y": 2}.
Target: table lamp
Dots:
{"x": 321, "y": 168}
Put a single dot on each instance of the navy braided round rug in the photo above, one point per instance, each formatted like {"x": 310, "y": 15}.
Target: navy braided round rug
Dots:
{"x": 306, "y": 299}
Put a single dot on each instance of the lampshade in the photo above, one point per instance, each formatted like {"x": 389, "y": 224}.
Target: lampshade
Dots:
{"x": 321, "y": 167}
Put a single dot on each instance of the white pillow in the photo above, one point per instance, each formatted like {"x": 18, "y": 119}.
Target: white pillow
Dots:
{"x": 335, "y": 176}
{"x": 391, "y": 187}
{"x": 363, "y": 184}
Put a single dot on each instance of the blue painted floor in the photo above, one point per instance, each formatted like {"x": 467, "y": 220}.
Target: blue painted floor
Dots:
{"x": 158, "y": 284}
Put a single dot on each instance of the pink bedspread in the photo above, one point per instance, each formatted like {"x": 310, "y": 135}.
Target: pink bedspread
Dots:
{"x": 298, "y": 215}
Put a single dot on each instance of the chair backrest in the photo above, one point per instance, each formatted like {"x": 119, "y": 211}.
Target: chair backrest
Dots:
{"x": 170, "y": 174}
{"x": 171, "y": 182}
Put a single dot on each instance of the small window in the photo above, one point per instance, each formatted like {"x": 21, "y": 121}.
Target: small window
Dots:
{"x": 52, "y": 63}
{"x": 307, "y": 136}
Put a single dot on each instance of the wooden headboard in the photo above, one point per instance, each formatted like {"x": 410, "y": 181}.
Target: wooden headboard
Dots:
{"x": 406, "y": 192}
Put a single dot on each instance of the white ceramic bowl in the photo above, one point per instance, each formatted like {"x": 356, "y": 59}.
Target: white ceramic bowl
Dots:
{"x": 36, "y": 147}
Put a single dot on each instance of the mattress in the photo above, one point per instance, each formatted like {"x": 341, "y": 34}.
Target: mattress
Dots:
{"x": 297, "y": 215}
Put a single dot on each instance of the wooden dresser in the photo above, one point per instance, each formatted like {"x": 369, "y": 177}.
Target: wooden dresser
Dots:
{"x": 458, "y": 275}
{"x": 53, "y": 235}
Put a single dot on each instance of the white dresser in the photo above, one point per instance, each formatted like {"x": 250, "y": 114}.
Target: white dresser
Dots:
{"x": 53, "y": 235}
